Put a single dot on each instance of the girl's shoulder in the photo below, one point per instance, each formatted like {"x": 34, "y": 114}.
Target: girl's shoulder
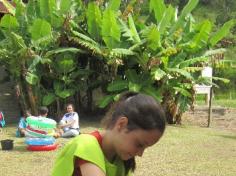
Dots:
{"x": 87, "y": 148}
{"x": 88, "y": 139}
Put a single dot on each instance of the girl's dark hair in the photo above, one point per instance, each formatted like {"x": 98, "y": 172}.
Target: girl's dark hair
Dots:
{"x": 142, "y": 111}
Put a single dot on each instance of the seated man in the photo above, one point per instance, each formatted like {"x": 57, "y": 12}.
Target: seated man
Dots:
{"x": 69, "y": 124}
{"x": 43, "y": 111}
{"x": 20, "y": 132}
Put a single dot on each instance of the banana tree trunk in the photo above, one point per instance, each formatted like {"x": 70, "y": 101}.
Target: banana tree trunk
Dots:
{"x": 168, "y": 107}
{"x": 31, "y": 99}
{"x": 28, "y": 88}
{"x": 20, "y": 95}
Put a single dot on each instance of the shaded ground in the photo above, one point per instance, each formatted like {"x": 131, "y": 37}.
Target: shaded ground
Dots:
{"x": 222, "y": 118}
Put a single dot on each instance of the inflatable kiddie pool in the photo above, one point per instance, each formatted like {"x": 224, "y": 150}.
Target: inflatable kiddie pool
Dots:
{"x": 42, "y": 147}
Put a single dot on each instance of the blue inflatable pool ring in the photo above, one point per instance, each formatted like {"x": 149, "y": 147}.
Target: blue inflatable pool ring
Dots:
{"x": 40, "y": 141}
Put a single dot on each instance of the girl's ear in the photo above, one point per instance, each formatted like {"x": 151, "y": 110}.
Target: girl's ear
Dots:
{"x": 121, "y": 123}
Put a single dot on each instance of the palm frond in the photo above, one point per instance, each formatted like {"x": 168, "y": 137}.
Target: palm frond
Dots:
{"x": 90, "y": 46}
{"x": 214, "y": 52}
{"x": 192, "y": 61}
{"x": 86, "y": 42}
{"x": 121, "y": 52}
{"x": 84, "y": 37}
{"x": 181, "y": 72}
{"x": 192, "y": 69}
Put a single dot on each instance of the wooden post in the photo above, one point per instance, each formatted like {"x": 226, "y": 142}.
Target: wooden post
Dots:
{"x": 210, "y": 109}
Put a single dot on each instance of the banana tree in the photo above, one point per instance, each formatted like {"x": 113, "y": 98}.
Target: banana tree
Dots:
{"x": 30, "y": 44}
{"x": 157, "y": 51}
{"x": 168, "y": 49}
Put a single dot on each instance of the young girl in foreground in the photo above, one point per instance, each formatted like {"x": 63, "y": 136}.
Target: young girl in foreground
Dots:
{"x": 134, "y": 123}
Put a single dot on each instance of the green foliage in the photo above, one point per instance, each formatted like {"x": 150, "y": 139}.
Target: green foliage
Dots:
{"x": 94, "y": 21}
{"x": 223, "y": 31}
{"x": 48, "y": 99}
{"x": 40, "y": 29}
{"x": 9, "y": 22}
{"x": 122, "y": 48}
{"x": 32, "y": 78}
{"x": 110, "y": 29}
{"x": 158, "y": 6}
{"x": 184, "y": 13}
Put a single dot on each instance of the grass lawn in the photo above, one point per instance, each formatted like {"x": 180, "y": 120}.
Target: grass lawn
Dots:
{"x": 222, "y": 100}
{"x": 183, "y": 150}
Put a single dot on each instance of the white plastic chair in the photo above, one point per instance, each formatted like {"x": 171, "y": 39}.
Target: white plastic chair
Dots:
{"x": 204, "y": 89}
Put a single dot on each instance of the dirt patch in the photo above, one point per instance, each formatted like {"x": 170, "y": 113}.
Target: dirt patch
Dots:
{"x": 222, "y": 118}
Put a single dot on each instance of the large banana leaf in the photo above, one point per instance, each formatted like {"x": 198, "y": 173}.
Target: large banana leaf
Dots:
{"x": 94, "y": 20}
{"x": 145, "y": 79}
{"x": 214, "y": 51}
{"x": 222, "y": 32}
{"x": 120, "y": 52}
{"x": 129, "y": 31}
{"x": 152, "y": 91}
{"x": 165, "y": 20}
{"x": 181, "y": 72}
{"x": 106, "y": 100}
{"x": 201, "y": 38}
{"x": 157, "y": 73}
{"x": 114, "y": 5}
{"x": 49, "y": 99}
{"x": 184, "y": 92}
{"x": 152, "y": 35}
{"x": 86, "y": 42}
{"x": 65, "y": 93}
{"x": 65, "y": 65}
{"x": 20, "y": 11}
{"x": 189, "y": 27}
{"x": 158, "y": 6}
{"x": 62, "y": 50}
{"x": 133, "y": 29}
{"x": 40, "y": 29}
{"x": 118, "y": 85}
{"x": 9, "y": 22}
{"x": 32, "y": 78}
{"x": 134, "y": 87}
{"x": 47, "y": 8}
{"x": 110, "y": 29}
{"x": 221, "y": 79}
{"x": 132, "y": 76}
{"x": 58, "y": 85}
{"x": 186, "y": 10}
{"x": 17, "y": 41}
{"x": 35, "y": 61}
{"x": 65, "y": 6}
{"x": 32, "y": 11}
{"x": 61, "y": 91}
{"x": 126, "y": 31}
{"x": 192, "y": 61}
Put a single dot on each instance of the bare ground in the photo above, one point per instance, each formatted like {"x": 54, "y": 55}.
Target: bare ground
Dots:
{"x": 222, "y": 118}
